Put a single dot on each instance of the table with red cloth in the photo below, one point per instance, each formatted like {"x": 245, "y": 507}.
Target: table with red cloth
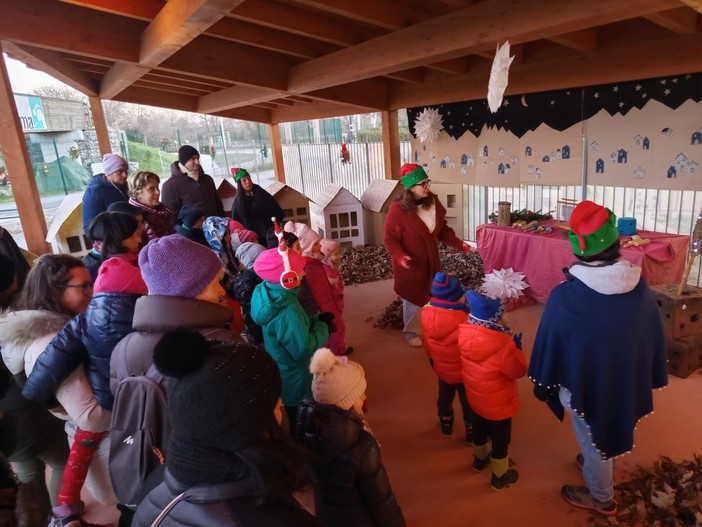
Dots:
{"x": 541, "y": 256}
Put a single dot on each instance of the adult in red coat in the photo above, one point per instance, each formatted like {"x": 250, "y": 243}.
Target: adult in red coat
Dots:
{"x": 414, "y": 224}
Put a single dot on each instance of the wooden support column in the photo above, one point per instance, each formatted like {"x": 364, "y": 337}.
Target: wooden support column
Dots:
{"x": 391, "y": 145}
{"x": 277, "y": 152}
{"x": 103, "y": 135}
{"x": 19, "y": 168}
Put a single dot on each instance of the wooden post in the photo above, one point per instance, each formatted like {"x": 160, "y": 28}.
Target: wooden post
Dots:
{"x": 103, "y": 135}
{"x": 695, "y": 247}
{"x": 391, "y": 144}
{"x": 504, "y": 213}
{"x": 277, "y": 152}
{"x": 19, "y": 168}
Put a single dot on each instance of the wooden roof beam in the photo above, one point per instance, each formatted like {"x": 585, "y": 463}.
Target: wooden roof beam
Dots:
{"x": 693, "y": 4}
{"x": 175, "y": 26}
{"x": 618, "y": 64}
{"x": 74, "y": 29}
{"x": 445, "y": 37}
{"x": 379, "y": 13}
{"x": 584, "y": 40}
{"x": 52, "y": 63}
{"x": 235, "y": 97}
{"x": 682, "y": 20}
{"x": 314, "y": 110}
{"x": 371, "y": 94}
{"x": 287, "y": 18}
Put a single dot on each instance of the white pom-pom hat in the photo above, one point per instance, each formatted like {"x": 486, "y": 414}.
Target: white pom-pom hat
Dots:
{"x": 337, "y": 380}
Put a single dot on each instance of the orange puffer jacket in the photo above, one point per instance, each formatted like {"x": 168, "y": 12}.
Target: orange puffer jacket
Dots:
{"x": 440, "y": 333}
{"x": 491, "y": 363}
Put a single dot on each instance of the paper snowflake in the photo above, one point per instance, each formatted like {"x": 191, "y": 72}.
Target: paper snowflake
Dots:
{"x": 428, "y": 125}
{"x": 504, "y": 284}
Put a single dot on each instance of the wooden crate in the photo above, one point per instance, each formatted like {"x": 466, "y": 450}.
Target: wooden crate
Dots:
{"x": 684, "y": 355}
{"x": 681, "y": 314}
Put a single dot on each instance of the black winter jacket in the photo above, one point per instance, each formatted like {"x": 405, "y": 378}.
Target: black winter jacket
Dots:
{"x": 88, "y": 338}
{"x": 255, "y": 209}
{"x": 353, "y": 489}
{"x": 222, "y": 505}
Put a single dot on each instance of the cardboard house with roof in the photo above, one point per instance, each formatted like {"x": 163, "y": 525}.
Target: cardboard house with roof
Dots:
{"x": 338, "y": 215}
{"x": 376, "y": 201}
{"x": 65, "y": 232}
{"x": 295, "y": 205}
{"x": 226, "y": 190}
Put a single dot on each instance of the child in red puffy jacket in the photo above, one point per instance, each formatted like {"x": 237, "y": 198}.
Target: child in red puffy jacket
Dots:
{"x": 492, "y": 361}
{"x": 446, "y": 310}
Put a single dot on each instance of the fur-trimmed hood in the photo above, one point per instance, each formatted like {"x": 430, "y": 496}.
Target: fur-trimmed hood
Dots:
{"x": 20, "y": 329}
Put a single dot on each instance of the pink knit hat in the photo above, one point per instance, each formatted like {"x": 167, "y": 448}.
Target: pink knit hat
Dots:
{"x": 117, "y": 275}
{"x": 329, "y": 247}
{"x": 270, "y": 265}
{"x": 306, "y": 236}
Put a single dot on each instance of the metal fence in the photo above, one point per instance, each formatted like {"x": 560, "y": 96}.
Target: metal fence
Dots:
{"x": 320, "y": 164}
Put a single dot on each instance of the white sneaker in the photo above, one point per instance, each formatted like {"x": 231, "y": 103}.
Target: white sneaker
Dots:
{"x": 415, "y": 342}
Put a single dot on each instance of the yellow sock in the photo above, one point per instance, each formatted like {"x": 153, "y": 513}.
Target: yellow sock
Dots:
{"x": 481, "y": 451}
{"x": 499, "y": 466}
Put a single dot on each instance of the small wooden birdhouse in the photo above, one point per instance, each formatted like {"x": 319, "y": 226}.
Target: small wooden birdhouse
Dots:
{"x": 376, "y": 201}
{"x": 338, "y": 215}
{"x": 226, "y": 190}
{"x": 65, "y": 233}
{"x": 295, "y": 205}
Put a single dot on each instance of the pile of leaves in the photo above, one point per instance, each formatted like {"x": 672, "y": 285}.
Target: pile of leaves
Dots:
{"x": 372, "y": 262}
{"x": 667, "y": 495}
{"x": 524, "y": 215}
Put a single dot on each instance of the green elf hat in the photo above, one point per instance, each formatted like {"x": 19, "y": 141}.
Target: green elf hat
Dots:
{"x": 411, "y": 174}
{"x": 239, "y": 173}
{"x": 593, "y": 228}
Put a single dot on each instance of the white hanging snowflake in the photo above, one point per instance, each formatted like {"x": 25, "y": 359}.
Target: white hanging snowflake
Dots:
{"x": 428, "y": 125}
{"x": 504, "y": 284}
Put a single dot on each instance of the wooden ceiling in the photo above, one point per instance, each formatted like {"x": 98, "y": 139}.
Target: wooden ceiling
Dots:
{"x": 274, "y": 61}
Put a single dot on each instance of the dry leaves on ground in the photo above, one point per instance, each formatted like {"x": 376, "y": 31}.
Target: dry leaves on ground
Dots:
{"x": 372, "y": 262}
{"x": 667, "y": 495}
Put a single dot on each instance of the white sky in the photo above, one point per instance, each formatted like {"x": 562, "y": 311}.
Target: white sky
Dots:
{"x": 24, "y": 79}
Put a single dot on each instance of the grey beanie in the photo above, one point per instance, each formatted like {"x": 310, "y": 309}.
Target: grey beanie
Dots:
{"x": 247, "y": 253}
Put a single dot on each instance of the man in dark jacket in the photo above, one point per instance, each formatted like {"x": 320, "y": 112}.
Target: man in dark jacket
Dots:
{"x": 189, "y": 185}
{"x": 105, "y": 189}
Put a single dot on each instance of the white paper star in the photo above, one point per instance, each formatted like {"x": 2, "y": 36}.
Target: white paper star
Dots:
{"x": 428, "y": 125}
{"x": 499, "y": 73}
{"x": 504, "y": 284}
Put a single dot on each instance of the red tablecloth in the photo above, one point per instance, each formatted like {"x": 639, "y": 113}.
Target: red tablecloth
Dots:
{"x": 542, "y": 256}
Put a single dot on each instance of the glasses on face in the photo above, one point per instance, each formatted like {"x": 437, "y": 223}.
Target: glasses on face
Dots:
{"x": 425, "y": 184}
{"x": 86, "y": 287}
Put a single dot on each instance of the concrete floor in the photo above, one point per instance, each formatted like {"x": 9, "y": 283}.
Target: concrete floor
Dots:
{"x": 432, "y": 475}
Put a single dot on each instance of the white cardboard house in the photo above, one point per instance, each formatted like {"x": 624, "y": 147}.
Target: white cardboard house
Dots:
{"x": 226, "y": 190}
{"x": 376, "y": 201}
{"x": 451, "y": 197}
{"x": 338, "y": 215}
{"x": 65, "y": 232}
{"x": 295, "y": 205}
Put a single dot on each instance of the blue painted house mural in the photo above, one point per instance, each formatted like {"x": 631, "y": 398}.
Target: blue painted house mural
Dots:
{"x": 621, "y": 155}
{"x": 443, "y": 163}
{"x": 599, "y": 166}
{"x": 565, "y": 152}
{"x": 672, "y": 172}
{"x": 464, "y": 159}
{"x": 527, "y": 151}
{"x": 501, "y": 168}
{"x": 646, "y": 144}
{"x": 696, "y": 138}
{"x": 546, "y": 159}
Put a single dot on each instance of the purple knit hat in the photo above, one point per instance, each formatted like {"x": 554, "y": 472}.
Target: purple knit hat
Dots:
{"x": 175, "y": 266}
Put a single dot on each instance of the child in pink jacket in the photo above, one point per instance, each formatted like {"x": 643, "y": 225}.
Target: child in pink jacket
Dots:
{"x": 331, "y": 263}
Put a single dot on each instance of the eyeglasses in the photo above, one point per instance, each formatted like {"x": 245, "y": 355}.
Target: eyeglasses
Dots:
{"x": 424, "y": 184}
{"x": 85, "y": 286}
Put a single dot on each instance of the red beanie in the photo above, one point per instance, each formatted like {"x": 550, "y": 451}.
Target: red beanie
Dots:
{"x": 117, "y": 275}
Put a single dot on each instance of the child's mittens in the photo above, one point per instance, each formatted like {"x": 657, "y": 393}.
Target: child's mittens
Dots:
{"x": 327, "y": 318}
{"x": 518, "y": 340}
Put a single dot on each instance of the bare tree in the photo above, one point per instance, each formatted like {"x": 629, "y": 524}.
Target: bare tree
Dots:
{"x": 60, "y": 92}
